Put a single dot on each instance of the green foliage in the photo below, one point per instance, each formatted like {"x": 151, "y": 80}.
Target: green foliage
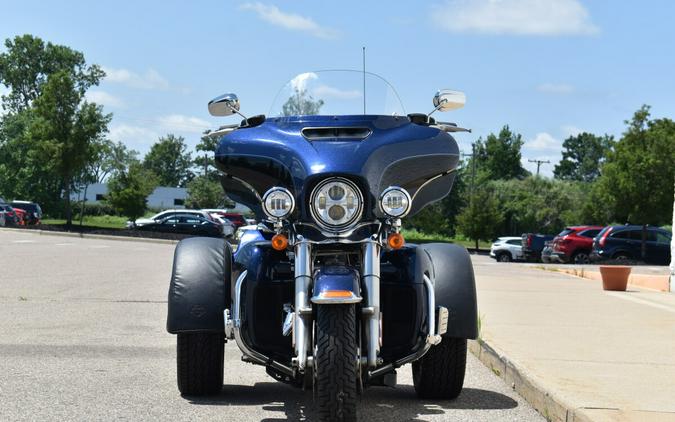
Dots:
{"x": 170, "y": 160}
{"x": 582, "y": 157}
{"x": 637, "y": 180}
{"x": 301, "y": 104}
{"x": 28, "y": 63}
{"x": 128, "y": 190}
{"x": 481, "y": 219}
{"x": 204, "y": 193}
{"x": 498, "y": 157}
{"x": 441, "y": 216}
{"x": 97, "y": 209}
{"x": 204, "y": 160}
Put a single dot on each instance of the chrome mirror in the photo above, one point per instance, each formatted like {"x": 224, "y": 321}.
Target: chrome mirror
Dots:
{"x": 446, "y": 100}
{"x": 224, "y": 105}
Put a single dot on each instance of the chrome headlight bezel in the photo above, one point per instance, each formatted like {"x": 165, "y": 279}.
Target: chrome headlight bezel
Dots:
{"x": 352, "y": 217}
{"x": 270, "y": 195}
{"x": 393, "y": 190}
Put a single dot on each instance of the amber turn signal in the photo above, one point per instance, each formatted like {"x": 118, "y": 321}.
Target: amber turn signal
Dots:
{"x": 396, "y": 241}
{"x": 279, "y": 242}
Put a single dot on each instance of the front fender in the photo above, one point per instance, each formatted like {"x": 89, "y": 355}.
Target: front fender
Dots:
{"x": 335, "y": 285}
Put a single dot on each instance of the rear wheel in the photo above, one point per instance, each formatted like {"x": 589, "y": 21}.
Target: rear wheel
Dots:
{"x": 504, "y": 257}
{"x": 621, "y": 256}
{"x": 440, "y": 372}
{"x": 200, "y": 363}
{"x": 581, "y": 257}
{"x": 335, "y": 363}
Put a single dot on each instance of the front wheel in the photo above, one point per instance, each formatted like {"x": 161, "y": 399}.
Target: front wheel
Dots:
{"x": 199, "y": 357}
{"x": 504, "y": 257}
{"x": 335, "y": 363}
{"x": 439, "y": 374}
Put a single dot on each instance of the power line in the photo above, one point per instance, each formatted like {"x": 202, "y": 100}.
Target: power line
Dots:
{"x": 539, "y": 163}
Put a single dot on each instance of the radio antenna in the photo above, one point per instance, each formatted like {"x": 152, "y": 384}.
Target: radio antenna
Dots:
{"x": 364, "y": 80}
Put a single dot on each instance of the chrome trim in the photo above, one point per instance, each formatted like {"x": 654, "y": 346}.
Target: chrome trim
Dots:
{"x": 336, "y": 237}
{"x": 407, "y": 195}
{"x": 319, "y": 300}
{"x": 274, "y": 189}
{"x": 432, "y": 338}
{"x": 371, "y": 284}
{"x": 424, "y": 348}
{"x": 303, "y": 282}
{"x": 228, "y": 324}
{"x": 355, "y": 219}
{"x": 249, "y": 353}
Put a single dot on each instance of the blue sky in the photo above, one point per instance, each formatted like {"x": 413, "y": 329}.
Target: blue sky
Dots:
{"x": 548, "y": 68}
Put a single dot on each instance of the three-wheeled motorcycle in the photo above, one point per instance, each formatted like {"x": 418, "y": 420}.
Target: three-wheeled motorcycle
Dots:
{"x": 326, "y": 294}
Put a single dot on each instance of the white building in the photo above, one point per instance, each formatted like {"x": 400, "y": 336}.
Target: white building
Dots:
{"x": 161, "y": 198}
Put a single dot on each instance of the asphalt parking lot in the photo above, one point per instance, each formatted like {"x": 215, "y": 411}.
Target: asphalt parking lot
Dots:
{"x": 83, "y": 338}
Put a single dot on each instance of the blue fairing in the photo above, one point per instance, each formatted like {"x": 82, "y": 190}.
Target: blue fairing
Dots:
{"x": 419, "y": 158}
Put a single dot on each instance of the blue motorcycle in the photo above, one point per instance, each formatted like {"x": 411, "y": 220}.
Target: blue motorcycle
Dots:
{"x": 326, "y": 294}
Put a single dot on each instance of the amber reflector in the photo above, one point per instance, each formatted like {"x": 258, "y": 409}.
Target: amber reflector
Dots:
{"x": 336, "y": 293}
{"x": 279, "y": 242}
{"x": 396, "y": 241}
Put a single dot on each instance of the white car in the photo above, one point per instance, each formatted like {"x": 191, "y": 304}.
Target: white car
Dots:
{"x": 166, "y": 213}
{"x": 228, "y": 226}
{"x": 507, "y": 249}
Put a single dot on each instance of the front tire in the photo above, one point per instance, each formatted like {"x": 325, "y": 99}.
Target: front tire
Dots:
{"x": 199, "y": 358}
{"x": 335, "y": 363}
{"x": 440, "y": 372}
{"x": 504, "y": 257}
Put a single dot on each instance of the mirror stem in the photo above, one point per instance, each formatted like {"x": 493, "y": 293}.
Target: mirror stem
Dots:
{"x": 436, "y": 108}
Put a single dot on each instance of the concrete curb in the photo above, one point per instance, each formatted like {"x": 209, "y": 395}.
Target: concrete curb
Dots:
{"x": 649, "y": 281}
{"x": 92, "y": 236}
{"x": 550, "y": 406}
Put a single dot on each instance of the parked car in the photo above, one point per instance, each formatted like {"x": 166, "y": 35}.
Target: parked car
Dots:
{"x": 21, "y": 216}
{"x": 533, "y": 244}
{"x": 188, "y": 223}
{"x": 625, "y": 243}
{"x": 574, "y": 244}
{"x": 8, "y": 216}
{"x": 228, "y": 227}
{"x": 547, "y": 253}
{"x": 33, "y": 211}
{"x": 236, "y": 218}
{"x": 507, "y": 249}
{"x": 167, "y": 213}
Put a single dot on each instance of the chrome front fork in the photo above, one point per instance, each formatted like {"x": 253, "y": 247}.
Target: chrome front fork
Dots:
{"x": 371, "y": 283}
{"x": 303, "y": 282}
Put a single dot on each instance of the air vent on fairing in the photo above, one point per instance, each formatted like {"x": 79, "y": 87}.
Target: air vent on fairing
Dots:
{"x": 336, "y": 133}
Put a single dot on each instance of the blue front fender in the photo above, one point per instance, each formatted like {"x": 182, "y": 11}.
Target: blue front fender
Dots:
{"x": 335, "y": 285}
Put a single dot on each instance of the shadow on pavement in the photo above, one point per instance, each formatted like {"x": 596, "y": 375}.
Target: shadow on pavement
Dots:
{"x": 377, "y": 403}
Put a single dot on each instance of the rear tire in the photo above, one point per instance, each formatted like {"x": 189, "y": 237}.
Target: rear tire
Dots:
{"x": 621, "y": 256}
{"x": 504, "y": 257}
{"x": 440, "y": 372}
{"x": 199, "y": 358}
{"x": 581, "y": 258}
{"x": 335, "y": 363}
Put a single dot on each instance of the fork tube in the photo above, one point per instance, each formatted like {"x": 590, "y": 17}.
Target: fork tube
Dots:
{"x": 303, "y": 280}
{"x": 371, "y": 282}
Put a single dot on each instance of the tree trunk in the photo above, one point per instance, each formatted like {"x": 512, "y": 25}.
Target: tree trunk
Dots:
{"x": 84, "y": 201}
{"x": 476, "y": 245}
{"x": 69, "y": 215}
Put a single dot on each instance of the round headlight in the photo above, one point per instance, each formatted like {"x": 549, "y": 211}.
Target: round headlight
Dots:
{"x": 395, "y": 202}
{"x": 278, "y": 203}
{"x": 336, "y": 203}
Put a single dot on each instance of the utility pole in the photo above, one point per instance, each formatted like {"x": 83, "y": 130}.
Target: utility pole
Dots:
{"x": 473, "y": 176}
{"x": 539, "y": 163}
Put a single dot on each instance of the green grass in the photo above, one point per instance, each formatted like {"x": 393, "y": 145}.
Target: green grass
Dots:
{"x": 414, "y": 236}
{"x": 105, "y": 221}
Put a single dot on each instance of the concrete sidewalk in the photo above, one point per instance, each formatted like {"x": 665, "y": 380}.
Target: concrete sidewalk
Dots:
{"x": 583, "y": 353}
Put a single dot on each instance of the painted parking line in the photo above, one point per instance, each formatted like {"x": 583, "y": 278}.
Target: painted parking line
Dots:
{"x": 625, "y": 296}
{"x": 63, "y": 244}
{"x": 23, "y": 241}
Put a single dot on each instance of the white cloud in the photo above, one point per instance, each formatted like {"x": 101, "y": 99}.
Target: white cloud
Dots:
{"x": 551, "y": 88}
{"x": 518, "y": 17}
{"x": 291, "y": 21}
{"x": 151, "y": 79}
{"x": 543, "y": 141}
{"x": 136, "y": 137}
{"x": 325, "y": 91}
{"x": 105, "y": 99}
{"x": 181, "y": 123}
{"x": 571, "y": 130}
{"x": 299, "y": 83}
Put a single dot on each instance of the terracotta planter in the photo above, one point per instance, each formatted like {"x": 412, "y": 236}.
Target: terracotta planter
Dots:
{"x": 615, "y": 277}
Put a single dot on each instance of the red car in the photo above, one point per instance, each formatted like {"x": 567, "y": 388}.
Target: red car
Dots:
{"x": 574, "y": 244}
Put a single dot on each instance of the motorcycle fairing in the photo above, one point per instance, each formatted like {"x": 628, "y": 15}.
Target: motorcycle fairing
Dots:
{"x": 396, "y": 153}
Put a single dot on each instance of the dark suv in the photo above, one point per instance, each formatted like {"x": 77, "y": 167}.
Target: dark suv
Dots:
{"x": 533, "y": 244}
{"x": 625, "y": 243}
{"x": 574, "y": 244}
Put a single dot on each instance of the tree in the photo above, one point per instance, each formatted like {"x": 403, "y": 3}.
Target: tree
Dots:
{"x": 27, "y": 64}
{"x": 170, "y": 161}
{"x": 582, "y": 157}
{"x": 65, "y": 128}
{"x": 481, "y": 219}
{"x": 636, "y": 184}
{"x": 128, "y": 190}
{"x": 498, "y": 157}
{"x": 203, "y": 192}
{"x": 301, "y": 103}
{"x": 206, "y": 149}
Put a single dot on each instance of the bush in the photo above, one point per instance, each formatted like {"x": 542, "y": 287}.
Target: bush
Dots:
{"x": 95, "y": 209}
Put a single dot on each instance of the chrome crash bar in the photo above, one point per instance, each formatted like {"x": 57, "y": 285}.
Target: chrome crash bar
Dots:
{"x": 371, "y": 283}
